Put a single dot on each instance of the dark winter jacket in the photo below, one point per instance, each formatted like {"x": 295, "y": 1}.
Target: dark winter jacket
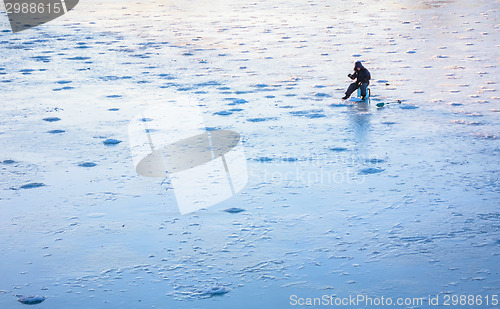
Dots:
{"x": 361, "y": 76}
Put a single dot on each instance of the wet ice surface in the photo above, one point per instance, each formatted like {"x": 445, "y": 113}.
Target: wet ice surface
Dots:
{"x": 30, "y": 300}
{"x": 343, "y": 198}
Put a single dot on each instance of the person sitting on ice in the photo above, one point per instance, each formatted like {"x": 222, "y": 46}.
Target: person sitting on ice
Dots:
{"x": 362, "y": 77}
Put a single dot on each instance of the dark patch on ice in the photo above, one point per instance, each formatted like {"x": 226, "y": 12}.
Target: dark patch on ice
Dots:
{"x": 322, "y": 95}
{"x": 234, "y": 210}
{"x": 416, "y": 239}
{"x": 299, "y": 113}
{"x": 56, "y": 131}
{"x": 260, "y": 119}
{"x": 238, "y": 101}
{"x": 142, "y": 56}
{"x": 87, "y": 164}
{"x": 113, "y": 109}
{"x": 8, "y": 161}
{"x": 223, "y": 113}
{"x": 32, "y": 185}
{"x": 146, "y": 119}
{"x": 63, "y": 88}
{"x": 291, "y": 159}
{"x": 370, "y": 170}
{"x": 495, "y": 216}
{"x": 261, "y": 85}
{"x": 338, "y": 105}
{"x": 269, "y": 96}
{"x": 113, "y": 77}
{"x": 317, "y": 115}
{"x": 264, "y": 159}
{"x": 212, "y": 291}
{"x": 111, "y": 141}
{"x": 63, "y": 82}
{"x": 30, "y": 300}
{"x": 236, "y": 109}
{"x": 388, "y": 122}
{"x": 209, "y": 83}
{"x": 338, "y": 149}
{"x": 113, "y": 96}
{"x": 375, "y": 160}
{"x": 51, "y": 119}
{"x": 41, "y": 58}
{"x": 26, "y": 71}
{"x": 166, "y": 76}
{"x": 78, "y": 58}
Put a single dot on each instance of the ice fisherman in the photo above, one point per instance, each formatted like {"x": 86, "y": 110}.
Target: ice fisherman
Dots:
{"x": 362, "y": 77}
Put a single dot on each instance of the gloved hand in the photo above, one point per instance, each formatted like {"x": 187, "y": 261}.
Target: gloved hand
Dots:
{"x": 350, "y": 76}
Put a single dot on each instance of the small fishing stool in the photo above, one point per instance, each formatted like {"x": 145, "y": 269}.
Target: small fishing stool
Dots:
{"x": 367, "y": 93}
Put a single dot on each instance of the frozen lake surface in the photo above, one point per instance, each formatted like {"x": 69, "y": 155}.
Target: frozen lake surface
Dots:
{"x": 342, "y": 199}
